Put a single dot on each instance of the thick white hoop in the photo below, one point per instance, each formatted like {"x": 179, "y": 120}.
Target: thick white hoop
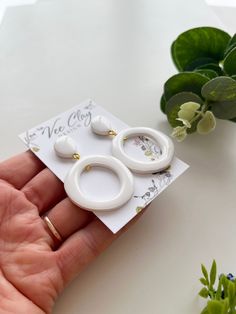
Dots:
{"x": 163, "y": 141}
{"x": 76, "y": 195}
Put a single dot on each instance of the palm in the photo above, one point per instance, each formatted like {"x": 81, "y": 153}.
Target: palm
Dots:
{"x": 30, "y": 269}
{"x": 33, "y": 267}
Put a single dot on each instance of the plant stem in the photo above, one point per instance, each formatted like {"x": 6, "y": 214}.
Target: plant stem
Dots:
{"x": 199, "y": 113}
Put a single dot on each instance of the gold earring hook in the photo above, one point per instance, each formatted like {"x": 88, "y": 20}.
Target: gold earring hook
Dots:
{"x": 112, "y": 133}
{"x": 76, "y": 156}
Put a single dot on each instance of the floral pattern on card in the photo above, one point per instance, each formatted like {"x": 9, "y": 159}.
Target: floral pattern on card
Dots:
{"x": 159, "y": 181}
{"x": 30, "y": 141}
{"x": 150, "y": 150}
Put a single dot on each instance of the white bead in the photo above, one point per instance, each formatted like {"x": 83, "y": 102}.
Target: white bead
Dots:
{"x": 65, "y": 147}
{"x": 101, "y": 125}
{"x": 75, "y": 193}
{"x": 163, "y": 141}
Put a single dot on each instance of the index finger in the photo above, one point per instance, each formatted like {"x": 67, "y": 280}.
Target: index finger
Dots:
{"x": 21, "y": 168}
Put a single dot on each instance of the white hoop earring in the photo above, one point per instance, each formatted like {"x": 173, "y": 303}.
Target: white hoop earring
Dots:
{"x": 101, "y": 126}
{"x": 66, "y": 147}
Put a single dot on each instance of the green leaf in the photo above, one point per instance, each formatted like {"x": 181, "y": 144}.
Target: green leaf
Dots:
{"x": 172, "y": 51}
{"x": 191, "y": 106}
{"x": 213, "y": 273}
{"x": 203, "y": 281}
{"x": 219, "y": 289}
{"x": 179, "y": 133}
{"x": 211, "y": 66}
{"x": 225, "y": 283}
{"x": 197, "y": 43}
{"x": 215, "y": 307}
{"x": 208, "y": 73}
{"x": 232, "y": 40}
{"x": 185, "y": 122}
{"x": 199, "y": 62}
{"x": 184, "y": 82}
{"x": 163, "y": 104}
{"x": 204, "y": 293}
{"x": 182, "y": 98}
{"x": 225, "y": 303}
{"x": 174, "y": 103}
{"x": 172, "y": 115}
{"x": 206, "y": 125}
{"x": 188, "y": 110}
{"x": 205, "y": 273}
{"x": 230, "y": 62}
{"x": 229, "y": 49}
{"x": 231, "y": 293}
{"x": 231, "y": 45}
{"x": 224, "y": 110}
{"x": 205, "y": 311}
{"x": 220, "y": 89}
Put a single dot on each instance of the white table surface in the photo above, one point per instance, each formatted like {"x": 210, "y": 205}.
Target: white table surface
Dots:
{"x": 56, "y": 53}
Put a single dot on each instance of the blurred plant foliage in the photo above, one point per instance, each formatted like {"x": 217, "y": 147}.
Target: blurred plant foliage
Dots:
{"x": 205, "y": 87}
{"x": 222, "y": 296}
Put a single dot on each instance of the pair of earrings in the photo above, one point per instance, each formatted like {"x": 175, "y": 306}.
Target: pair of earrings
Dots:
{"x": 120, "y": 162}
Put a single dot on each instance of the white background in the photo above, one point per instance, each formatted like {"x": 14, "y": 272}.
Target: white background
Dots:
{"x": 55, "y": 54}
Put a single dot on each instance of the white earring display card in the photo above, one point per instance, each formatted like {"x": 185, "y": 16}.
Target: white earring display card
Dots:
{"x": 100, "y": 183}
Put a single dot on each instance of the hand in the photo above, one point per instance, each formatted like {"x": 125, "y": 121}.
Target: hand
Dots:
{"x": 34, "y": 266}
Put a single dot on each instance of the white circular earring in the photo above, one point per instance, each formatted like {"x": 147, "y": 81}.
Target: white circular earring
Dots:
{"x": 66, "y": 147}
{"x": 102, "y": 126}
